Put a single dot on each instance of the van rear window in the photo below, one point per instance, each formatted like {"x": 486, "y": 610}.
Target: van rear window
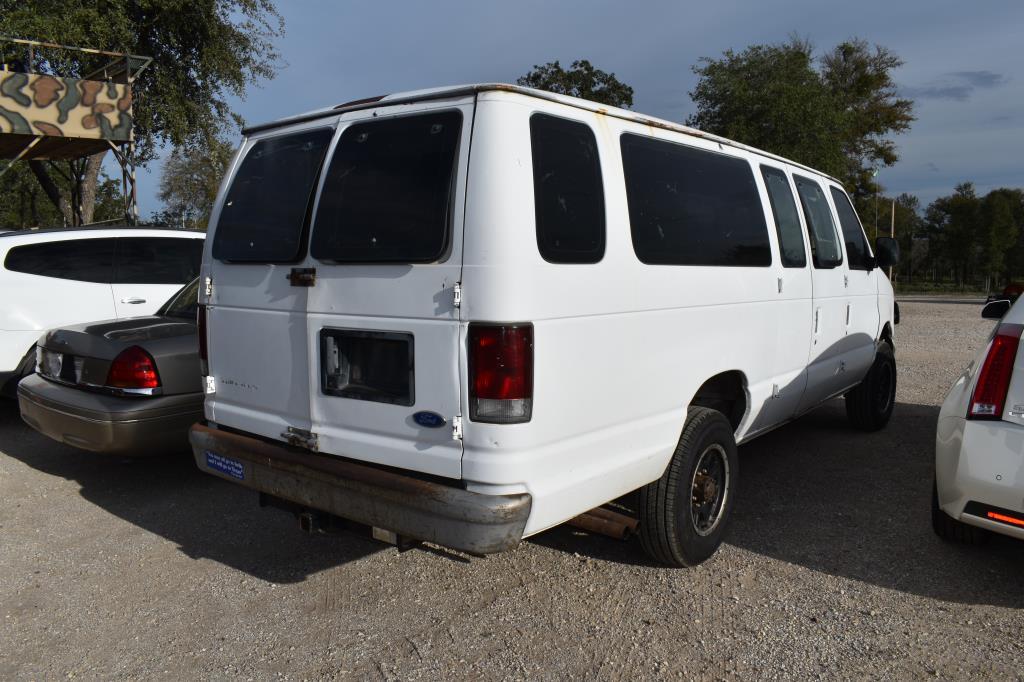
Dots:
{"x": 388, "y": 194}
{"x": 265, "y": 209}
{"x": 689, "y": 206}
{"x": 567, "y": 192}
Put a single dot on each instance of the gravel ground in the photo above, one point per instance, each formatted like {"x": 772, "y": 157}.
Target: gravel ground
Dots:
{"x": 150, "y": 569}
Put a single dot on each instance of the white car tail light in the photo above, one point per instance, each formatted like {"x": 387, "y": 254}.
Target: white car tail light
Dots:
{"x": 989, "y": 397}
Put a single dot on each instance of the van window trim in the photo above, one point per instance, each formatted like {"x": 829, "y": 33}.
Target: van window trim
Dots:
{"x": 717, "y": 152}
{"x": 451, "y": 211}
{"x": 601, "y": 184}
{"x": 810, "y": 227}
{"x": 305, "y": 233}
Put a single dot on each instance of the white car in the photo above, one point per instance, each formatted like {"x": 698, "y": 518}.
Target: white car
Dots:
{"x": 979, "y": 445}
{"x": 54, "y": 278}
{"x": 469, "y": 314}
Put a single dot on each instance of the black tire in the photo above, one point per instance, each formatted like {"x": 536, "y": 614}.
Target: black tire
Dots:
{"x": 676, "y": 528}
{"x": 951, "y": 530}
{"x": 869, "y": 406}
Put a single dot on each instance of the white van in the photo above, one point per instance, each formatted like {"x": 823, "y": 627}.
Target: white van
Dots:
{"x": 467, "y": 315}
{"x": 57, "y": 277}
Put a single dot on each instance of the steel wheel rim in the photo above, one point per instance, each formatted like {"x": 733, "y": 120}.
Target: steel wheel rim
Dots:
{"x": 709, "y": 489}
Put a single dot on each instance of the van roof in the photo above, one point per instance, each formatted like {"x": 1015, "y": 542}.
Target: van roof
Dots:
{"x": 472, "y": 89}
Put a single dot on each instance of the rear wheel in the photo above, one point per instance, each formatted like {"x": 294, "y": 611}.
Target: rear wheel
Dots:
{"x": 684, "y": 515}
{"x": 869, "y": 406}
{"x": 948, "y": 528}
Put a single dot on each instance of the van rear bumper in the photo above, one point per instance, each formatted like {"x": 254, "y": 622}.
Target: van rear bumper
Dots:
{"x": 424, "y": 510}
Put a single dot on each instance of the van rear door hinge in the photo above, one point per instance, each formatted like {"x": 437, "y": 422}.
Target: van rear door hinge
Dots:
{"x": 301, "y": 438}
{"x": 457, "y": 427}
{"x": 457, "y": 294}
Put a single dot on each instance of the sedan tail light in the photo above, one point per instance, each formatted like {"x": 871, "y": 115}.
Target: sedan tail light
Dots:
{"x": 501, "y": 373}
{"x": 989, "y": 397}
{"x": 134, "y": 368}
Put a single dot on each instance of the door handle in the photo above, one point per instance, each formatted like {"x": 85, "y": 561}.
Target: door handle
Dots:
{"x": 133, "y": 300}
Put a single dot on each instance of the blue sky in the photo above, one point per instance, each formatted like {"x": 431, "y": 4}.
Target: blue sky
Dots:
{"x": 961, "y": 63}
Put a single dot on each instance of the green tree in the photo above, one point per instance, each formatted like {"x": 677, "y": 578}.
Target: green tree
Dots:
{"x": 23, "y": 203}
{"x": 859, "y": 81}
{"x": 190, "y": 179}
{"x": 204, "y": 51}
{"x": 834, "y": 114}
{"x": 581, "y": 79}
{"x": 1002, "y": 219}
{"x": 955, "y": 224}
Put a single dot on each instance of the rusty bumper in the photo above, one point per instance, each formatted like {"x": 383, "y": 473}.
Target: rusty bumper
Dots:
{"x": 425, "y": 510}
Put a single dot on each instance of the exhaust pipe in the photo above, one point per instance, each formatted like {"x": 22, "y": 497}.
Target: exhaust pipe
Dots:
{"x": 606, "y": 522}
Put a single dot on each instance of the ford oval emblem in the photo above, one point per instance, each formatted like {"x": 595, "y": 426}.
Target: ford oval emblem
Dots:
{"x": 431, "y": 420}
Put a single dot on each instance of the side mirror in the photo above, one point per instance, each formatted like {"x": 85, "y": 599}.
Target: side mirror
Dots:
{"x": 995, "y": 310}
{"x": 887, "y": 252}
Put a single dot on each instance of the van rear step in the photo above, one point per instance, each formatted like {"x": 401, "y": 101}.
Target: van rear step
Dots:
{"x": 424, "y": 510}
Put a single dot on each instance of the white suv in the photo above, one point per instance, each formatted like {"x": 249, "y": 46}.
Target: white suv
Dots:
{"x": 467, "y": 315}
{"x": 51, "y": 278}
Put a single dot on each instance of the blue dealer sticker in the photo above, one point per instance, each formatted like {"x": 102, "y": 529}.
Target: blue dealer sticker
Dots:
{"x": 225, "y": 465}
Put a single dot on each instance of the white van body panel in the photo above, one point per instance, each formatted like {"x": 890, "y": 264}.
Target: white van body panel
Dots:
{"x": 620, "y": 347}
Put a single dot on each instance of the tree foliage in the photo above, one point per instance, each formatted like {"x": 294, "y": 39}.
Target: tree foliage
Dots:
{"x": 581, "y": 79}
{"x": 203, "y": 51}
{"x": 189, "y": 182}
{"x": 978, "y": 236}
{"x": 835, "y": 114}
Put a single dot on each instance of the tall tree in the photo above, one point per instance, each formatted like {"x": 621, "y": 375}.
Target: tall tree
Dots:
{"x": 955, "y": 221}
{"x": 834, "y": 114}
{"x": 581, "y": 79}
{"x": 190, "y": 179}
{"x": 203, "y": 52}
{"x": 859, "y": 80}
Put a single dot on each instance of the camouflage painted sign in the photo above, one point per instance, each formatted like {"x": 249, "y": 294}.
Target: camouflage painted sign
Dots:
{"x": 37, "y": 104}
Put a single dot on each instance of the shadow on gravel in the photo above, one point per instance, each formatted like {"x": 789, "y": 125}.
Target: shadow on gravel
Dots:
{"x": 818, "y": 494}
{"x": 206, "y": 517}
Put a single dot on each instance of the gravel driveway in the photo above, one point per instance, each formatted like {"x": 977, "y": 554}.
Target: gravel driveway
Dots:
{"x": 150, "y": 569}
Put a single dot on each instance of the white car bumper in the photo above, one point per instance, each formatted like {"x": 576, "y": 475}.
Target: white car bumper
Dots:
{"x": 979, "y": 473}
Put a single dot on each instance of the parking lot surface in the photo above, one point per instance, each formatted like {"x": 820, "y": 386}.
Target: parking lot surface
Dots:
{"x": 148, "y": 568}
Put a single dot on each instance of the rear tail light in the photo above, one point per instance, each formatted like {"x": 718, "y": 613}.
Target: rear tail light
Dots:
{"x": 501, "y": 373}
{"x": 133, "y": 369}
{"x": 989, "y": 397}
{"x": 204, "y": 364}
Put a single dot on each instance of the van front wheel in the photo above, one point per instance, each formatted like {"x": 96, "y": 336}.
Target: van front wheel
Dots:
{"x": 869, "y": 405}
{"x": 684, "y": 515}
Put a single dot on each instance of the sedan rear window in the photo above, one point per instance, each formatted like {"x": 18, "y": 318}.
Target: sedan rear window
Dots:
{"x": 387, "y": 197}
{"x": 265, "y": 209}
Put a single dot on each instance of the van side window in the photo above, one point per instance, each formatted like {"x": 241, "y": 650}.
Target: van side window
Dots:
{"x": 787, "y": 221}
{"x": 265, "y": 208}
{"x": 856, "y": 244}
{"x": 388, "y": 194}
{"x": 157, "y": 260}
{"x": 567, "y": 190}
{"x": 825, "y": 249}
{"x": 688, "y": 206}
{"x": 81, "y": 260}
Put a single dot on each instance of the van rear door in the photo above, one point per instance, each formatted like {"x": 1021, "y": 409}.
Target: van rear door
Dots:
{"x": 383, "y": 323}
{"x": 256, "y": 319}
